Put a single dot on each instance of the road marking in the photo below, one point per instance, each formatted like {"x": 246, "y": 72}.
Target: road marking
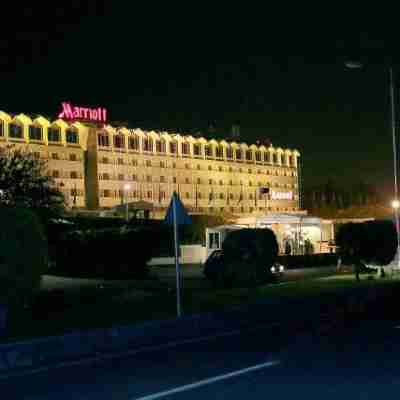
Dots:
{"x": 208, "y": 381}
{"x": 397, "y": 327}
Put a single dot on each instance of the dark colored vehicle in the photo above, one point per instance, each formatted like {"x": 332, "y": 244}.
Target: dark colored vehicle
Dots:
{"x": 214, "y": 268}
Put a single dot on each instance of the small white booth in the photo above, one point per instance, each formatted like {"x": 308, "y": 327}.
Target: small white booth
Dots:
{"x": 296, "y": 233}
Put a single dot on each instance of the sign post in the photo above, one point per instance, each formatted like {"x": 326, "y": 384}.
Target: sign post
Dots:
{"x": 177, "y": 215}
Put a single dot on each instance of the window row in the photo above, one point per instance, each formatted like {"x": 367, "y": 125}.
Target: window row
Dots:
{"x": 163, "y": 164}
{"x": 163, "y": 179}
{"x": 66, "y": 175}
{"x": 36, "y": 133}
{"x": 199, "y": 150}
{"x": 162, "y": 195}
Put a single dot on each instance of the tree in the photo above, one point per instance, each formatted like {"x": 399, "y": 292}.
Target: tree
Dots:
{"x": 373, "y": 242}
{"x": 24, "y": 182}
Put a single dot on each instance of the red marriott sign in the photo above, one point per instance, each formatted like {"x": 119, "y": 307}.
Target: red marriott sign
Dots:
{"x": 71, "y": 112}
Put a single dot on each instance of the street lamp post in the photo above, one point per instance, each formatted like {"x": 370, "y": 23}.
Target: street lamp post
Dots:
{"x": 127, "y": 186}
{"x": 396, "y": 202}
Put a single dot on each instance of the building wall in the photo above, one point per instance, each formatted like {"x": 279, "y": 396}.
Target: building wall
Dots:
{"x": 65, "y": 161}
{"x": 221, "y": 184}
{"x": 109, "y": 166}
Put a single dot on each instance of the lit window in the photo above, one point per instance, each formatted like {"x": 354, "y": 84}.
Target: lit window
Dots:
{"x": 219, "y": 151}
{"x": 103, "y": 140}
{"x": 104, "y": 160}
{"x": 149, "y": 195}
{"x": 238, "y": 154}
{"x": 173, "y": 146}
{"x": 220, "y": 169}
{"x": 55, "y": 174}
{"x": 249, "y": 171}
{"x": 73, "y": 175}
{"x": 161, "y": 146}
{"x": 275, "y": 158}
{"x": 187, "y": 180}
{"x": 148, "y": 144}
{"x": 148, "y": 178}
{"x": 187, "y": 195}
{"x": 72, "y": 157}
{"x": 35, "y": 132}
{"x": 210, "y": 181}
{"x": 209, "y": 151}
{"x": 221, "y": 182}
{"x": 134, "y": 177}
{"x": 197, "y": 150}
{"x": 162, "y": 178}
{"x": 162, "y": 164}
{"x": 106, "y": 193}
{"x": 106, "y": 176}
{"x": 119, "y": 141}
{"x": 72, "y": 136}
{"x": 15, "y": 131}
{"x": 1, "y": 128}
{"x": 148, "y": 163}
{"x": 187, "y": 166}
{"x": 174, "y": 179}
{"x": 54, "y": 134}
{"x": 209, "y": 167}
{"x": 258, "y": 156}
{"x": 221, "y": 196}
{"x": 267, "y": 157}
{"x": 199, "y": 181}
{"x": 120, "y": 161}
{"x": 229, "y": 153}
{"x": 185, "y": 148}
{"x": 54, "y": 156}
{"x": 249, "y": 155}
{"x": 133, "y": 143}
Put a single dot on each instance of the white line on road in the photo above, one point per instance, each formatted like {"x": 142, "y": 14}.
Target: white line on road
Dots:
{"x": 208, "y": 381}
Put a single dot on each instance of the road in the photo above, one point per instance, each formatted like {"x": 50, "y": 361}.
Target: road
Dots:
{"x": 359, "y": 363}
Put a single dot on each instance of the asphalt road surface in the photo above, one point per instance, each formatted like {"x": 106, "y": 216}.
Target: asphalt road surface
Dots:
{"x": 361, "y": 362}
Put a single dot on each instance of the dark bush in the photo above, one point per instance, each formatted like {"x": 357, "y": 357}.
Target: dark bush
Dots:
{"x": 372, "y": 242}
{"x": 23, "y": 255}
{"x": 248, "y": 255}
{"x": 106, "y": 253}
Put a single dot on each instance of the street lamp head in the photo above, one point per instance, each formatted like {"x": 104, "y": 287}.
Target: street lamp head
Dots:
{"x": 351, "y": 64}
{"x": 396, "y": 204}
{"x": 127, "y": 186}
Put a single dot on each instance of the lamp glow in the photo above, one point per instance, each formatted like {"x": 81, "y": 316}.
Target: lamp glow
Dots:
{"x": 396, "y": 204}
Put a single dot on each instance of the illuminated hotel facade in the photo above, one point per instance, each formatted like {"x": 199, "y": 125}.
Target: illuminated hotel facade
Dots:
{"x": 98, "y": 167}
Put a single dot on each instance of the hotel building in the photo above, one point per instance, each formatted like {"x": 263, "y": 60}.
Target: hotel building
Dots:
{"x": 100, "y": 167}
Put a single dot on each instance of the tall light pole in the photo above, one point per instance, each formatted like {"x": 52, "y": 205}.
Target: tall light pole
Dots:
{"x": 395, "y": 202}
{"x": 127, "y": 186}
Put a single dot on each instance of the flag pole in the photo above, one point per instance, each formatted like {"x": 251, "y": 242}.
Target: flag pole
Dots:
{"x": 176, "y": 240}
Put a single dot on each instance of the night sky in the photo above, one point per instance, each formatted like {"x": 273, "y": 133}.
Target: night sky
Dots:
{"x": 156, "y": 67}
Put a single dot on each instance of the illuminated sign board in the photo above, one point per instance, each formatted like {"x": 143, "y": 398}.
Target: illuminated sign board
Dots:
{"x": 281, "y": 195}
{"x": 71, "y": 112}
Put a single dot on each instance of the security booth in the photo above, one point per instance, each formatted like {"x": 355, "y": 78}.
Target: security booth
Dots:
{"x": 295, "y": 233}
{"x": 216, "y": 235}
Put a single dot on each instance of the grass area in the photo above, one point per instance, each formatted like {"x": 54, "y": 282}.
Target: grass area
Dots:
{"x": 93, "y": 307}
